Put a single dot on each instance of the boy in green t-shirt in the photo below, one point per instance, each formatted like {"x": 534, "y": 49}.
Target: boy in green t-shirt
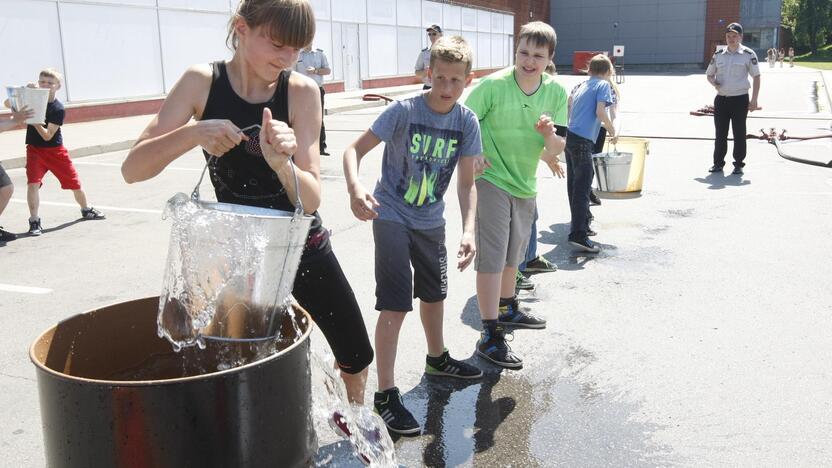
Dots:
{"x": 518, "y": 109}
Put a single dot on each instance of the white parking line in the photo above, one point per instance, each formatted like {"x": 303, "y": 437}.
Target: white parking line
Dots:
{"x": 103, "y": 207}
{"x": 23, "y": 289}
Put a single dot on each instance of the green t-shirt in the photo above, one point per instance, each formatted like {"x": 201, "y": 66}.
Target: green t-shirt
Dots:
{"x": 507, "y": 118}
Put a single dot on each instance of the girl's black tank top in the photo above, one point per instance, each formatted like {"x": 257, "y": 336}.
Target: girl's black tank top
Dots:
{"x": 242, "y": 176}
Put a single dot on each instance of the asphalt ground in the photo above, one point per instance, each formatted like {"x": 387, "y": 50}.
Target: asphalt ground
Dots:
{"x": 699, "y": 336}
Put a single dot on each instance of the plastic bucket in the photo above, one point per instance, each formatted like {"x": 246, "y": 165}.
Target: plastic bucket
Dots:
{"x": 230, "y": 269}
{"x": 35, "y": 98}
{"x": 114, "y": 394}
{"x": 622, "y": 169}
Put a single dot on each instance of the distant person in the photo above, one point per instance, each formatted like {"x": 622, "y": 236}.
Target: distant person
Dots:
{"x": 589, "y": 112}
{"x": 6, "y": 186}
{"x": 771, "y": 57}
{"x": 313, "y": 63}
{"x": 45, "y": 152}
{"x": 791, "y": 57}
{"x": 728, "y": 72}
{"x": 423, "y": 60}
{"x": 781, "y": 55}
{"x": 426, "y": 138}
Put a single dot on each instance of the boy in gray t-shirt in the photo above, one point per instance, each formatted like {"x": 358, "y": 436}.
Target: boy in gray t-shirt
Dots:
{"x": 426, "y": 138}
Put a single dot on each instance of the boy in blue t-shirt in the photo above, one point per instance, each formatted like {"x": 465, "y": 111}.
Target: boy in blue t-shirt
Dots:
{"x": 589, "y": 110}
{"x": 426, "y": 137}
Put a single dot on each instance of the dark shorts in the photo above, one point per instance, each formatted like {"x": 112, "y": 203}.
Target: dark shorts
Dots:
{"x": 322, "y": 289}
{"x": 4, "y": 178}
{"x": 55, "y": 159}
{"x": 397, "y": 248}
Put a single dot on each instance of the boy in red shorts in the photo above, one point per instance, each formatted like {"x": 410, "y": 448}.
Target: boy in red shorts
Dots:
{"x": 45, "y": 152}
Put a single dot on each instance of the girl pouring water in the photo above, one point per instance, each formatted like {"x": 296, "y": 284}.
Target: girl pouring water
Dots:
{"x": 210, "y": 105}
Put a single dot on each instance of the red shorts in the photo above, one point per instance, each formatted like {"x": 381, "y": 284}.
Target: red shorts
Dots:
{"x": 55, "y": 159}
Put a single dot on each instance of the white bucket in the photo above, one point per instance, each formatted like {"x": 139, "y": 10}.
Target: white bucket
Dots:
{"x": 34, "y": 98}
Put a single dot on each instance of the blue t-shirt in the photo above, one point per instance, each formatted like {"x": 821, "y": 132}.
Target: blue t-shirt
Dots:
{"x": 583, "y": 121}
{"x": 421, "y": 150}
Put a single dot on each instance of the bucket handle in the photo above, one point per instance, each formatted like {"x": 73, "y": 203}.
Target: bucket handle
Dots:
{"x": 298, "y": 203}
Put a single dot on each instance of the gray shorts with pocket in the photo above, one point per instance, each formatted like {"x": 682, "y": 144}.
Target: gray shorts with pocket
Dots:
{"x": 504, "y": 223}
{"x": 397, "y": 248}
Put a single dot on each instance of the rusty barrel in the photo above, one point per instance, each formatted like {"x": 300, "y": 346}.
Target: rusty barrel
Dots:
{"x": 112, "y": 393}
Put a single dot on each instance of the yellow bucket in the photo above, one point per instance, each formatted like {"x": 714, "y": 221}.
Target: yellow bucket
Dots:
{"x": 622, "y": 174}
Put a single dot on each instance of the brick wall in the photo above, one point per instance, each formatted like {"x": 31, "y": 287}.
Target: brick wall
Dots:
{"x": 718, "y": 15}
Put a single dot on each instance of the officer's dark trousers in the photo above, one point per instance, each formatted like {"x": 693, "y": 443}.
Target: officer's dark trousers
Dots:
{"x": 730, "y": 110}
{"x": 323, "y": 129}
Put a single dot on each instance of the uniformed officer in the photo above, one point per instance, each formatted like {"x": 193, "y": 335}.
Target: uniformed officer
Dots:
{"x": 313, "y": 63}
{"x": 423, "y": 61}
{"x": 728, "y": 72}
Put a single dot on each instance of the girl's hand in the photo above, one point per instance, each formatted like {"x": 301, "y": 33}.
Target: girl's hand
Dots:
{"x": 218, "y": 136}
{"x": 277, "y": 140}
{"x": 23, "y": 114}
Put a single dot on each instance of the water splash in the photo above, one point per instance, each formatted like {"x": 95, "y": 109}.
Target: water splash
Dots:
{"x": 368, "y": 434}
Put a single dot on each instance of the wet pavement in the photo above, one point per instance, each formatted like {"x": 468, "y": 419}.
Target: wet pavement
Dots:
{"x": 697, "y": 337}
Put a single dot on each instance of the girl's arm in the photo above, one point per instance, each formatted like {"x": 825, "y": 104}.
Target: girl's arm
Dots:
{"x": 305, "y": 121}
{"x": 172, "y": 133}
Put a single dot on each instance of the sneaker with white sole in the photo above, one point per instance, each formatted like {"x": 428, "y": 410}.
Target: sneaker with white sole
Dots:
{"x": 388, "y": 404}
{"x": 35, "y": 229}
{"x": 91, "y": 213}
{"x": 446, "y": 366}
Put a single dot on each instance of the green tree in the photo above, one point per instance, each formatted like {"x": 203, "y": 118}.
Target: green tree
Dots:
{"x": 809, "y": 20}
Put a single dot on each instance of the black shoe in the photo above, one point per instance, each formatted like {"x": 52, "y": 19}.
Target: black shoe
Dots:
{"x": 91, "y": 213}
{"x": 539, "y": 264}
{"x": 388, "y": 404}
{"x": 35, "y": 228}
{"x": 324, "y": 152}
{"x": 591, "y": 233}
{"x": 715, "y": 169}
{"x": 737, "y": 171}
{"x": 586, "y": 245}
{"x": 447, "y": 366}
{"x": 523, "y": 283}
{"x": 493, "y": 347}
{"x": 515, "y": 316}
{"x": 593, "y": 199}
{"x": 6, "y": 236}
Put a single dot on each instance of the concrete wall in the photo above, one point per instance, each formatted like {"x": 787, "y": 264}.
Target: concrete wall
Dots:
{"x": 652, "y": 31}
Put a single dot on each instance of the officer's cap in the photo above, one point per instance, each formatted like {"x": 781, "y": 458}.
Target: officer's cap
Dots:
{"x": 734, "y": 27}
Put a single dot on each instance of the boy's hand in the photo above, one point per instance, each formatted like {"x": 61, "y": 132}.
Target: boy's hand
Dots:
{"x": 362, "y": 203}
{"x": 218, "y": 136}
{"x": 613, "y": 137}
{"x": 553, "y": 163}
{"x": 467, "y": 251}
{"x": 545, "y": 126}
{"x": 480, "y": 165}
{"x": 277, "y": 141}
{"x": 23, "y": 114}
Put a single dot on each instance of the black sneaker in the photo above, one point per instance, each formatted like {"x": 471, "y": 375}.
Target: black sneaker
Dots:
{"x": 35, "y": 228}
{"x": 737, "y": 171}
{"x": 91, "y": 213}
{"x": 6, "y": 236}
{"x": 493, "y": 347}
{"x": 715, "y": 169}
{"x": 388, "y": 404}
{"x": 515, "y": 316}
{"x": 447, "y": 366}
{"x": 540, "y": 265}
{"x": 593, "y": 198}
{"x": 586, "y": 245}
{"x": 521, "y": 282}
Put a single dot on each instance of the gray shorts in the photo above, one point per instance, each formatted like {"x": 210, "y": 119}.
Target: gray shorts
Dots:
{"x": 4, "y": 178}
{"x": 397, "y": 248}
{"x": 504, "y": 223}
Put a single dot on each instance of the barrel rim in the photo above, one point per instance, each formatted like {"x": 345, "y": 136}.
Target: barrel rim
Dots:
{"x": 304, "y": 339}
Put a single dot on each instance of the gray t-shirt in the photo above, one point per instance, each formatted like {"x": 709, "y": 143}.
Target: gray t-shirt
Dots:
{"x": 421, "y": 150}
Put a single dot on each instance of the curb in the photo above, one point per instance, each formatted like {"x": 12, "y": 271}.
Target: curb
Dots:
{"x": 20, "y": 161}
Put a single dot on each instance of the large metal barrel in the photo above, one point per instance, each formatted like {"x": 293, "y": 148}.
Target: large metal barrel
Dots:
{"x": 114, "y": 394}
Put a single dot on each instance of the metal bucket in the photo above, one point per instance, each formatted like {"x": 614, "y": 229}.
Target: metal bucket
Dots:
{"x": 622, "y": 169}
{"x": 113, "y": 394}
{"x": 36, "y": 99}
